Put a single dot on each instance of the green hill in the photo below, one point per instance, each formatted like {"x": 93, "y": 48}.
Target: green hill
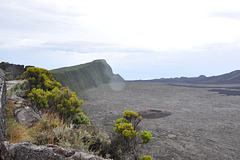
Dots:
{"x": 81, "y": 77}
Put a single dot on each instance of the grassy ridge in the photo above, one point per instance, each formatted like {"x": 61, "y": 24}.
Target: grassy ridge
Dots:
{"x": 228, "y": 78}
{"x": 81, "y": 77}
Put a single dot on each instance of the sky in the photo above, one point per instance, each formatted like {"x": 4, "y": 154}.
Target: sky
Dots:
{"x": 140, "y": 39}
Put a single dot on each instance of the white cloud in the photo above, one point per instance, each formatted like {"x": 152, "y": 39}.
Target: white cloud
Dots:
{"x": 132, "y": 35}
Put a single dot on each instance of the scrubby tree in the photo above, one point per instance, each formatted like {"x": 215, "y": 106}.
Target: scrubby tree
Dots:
{"x": 61, "y": 100}
{"x": 39, "y": 98}
{"x": 66, "y": 102}
{"x": 127, "y": 142}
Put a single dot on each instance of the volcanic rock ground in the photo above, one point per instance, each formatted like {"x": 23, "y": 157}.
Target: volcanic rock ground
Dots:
{"x": 203, "y": 124}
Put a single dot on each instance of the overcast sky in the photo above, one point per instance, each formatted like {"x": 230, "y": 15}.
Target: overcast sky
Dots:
{"x": 140, "y": 39}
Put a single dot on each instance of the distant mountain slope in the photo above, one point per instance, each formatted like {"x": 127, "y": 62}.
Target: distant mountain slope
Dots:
{"x": 228, "y": 78}
{"x": 81, "y": 77}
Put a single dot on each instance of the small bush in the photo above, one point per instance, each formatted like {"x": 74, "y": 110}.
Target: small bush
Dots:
{"x": 81, "y": 118}
{"x": 43, "y": 131}
{"x": 81, "y": 138}
{"x": 126, "y": 130}
{"x": 40, "y": 78}
{"x": 39, "y": 98}
{"x": 146, "y": 136}
{"x": 99, "y": 143}
{"x": 45, "y": 93}
{"x": 146, "y": 158}
{"x": 62, "y": 100}
{"x": 126, "y": 142}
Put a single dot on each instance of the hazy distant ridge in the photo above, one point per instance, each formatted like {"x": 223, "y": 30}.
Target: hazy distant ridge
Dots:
{"x": 228, "y": 78}
{"x": 81, "y": 77}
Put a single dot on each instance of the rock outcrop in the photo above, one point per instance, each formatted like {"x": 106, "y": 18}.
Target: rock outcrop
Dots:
{"x": 2, "y": 104}
{"x": 29, "y": 151}
{"x": 26, "y": 116}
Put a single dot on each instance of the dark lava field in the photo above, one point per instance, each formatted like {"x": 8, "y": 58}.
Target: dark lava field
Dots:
{"x": 204, "y": 122}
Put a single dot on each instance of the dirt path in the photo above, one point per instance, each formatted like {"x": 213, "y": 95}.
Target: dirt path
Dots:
{"x": 203, "y": 124}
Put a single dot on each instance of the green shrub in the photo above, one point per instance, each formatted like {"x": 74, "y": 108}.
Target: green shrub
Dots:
{"x": 146, "y": 136}
{"x": 45, "y": 93}
{"x": 146, "y": 158}
{"x": 46, "y": 125}
{"x": 81, "y": 118}
{"x": 40, "y": 78}
{"x": 39, "y": 98}
{"x": 126, "y": 130}
{"x": 98, "y": 144}
{"x": 83, "y": 139}
{"x": 62, "y": 100}
{"x": 43, "y": 137}
{"x": 68, "y": 103}
{"x": 132, "y": 117}
{"x": 126, "y": 142}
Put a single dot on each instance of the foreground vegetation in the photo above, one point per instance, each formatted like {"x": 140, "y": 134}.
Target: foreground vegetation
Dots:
{"x": 64, "y": 124}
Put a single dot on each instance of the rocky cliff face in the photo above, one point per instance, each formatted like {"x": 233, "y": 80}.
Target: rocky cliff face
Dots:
{"x": 81, "y": 77}
{"x": 2, "y": 104}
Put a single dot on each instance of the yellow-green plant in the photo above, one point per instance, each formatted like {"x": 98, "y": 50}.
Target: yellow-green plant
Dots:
{"x": 81, "y": 118}
{"x": 132, "y": 117}
{"x": 40, "y": 78}
{"x": 127, "y": 141}
{"x": 68, "y": 103}
{"x": 39, "y": 98}
{"x": 126, "y": 130}
{"x": 45, "y": 93}
{"x": 146, "y": 158}
{"x": 62, "y": 100}
{"x": 126, "y": 127}
{"x": 146, "y": 136}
